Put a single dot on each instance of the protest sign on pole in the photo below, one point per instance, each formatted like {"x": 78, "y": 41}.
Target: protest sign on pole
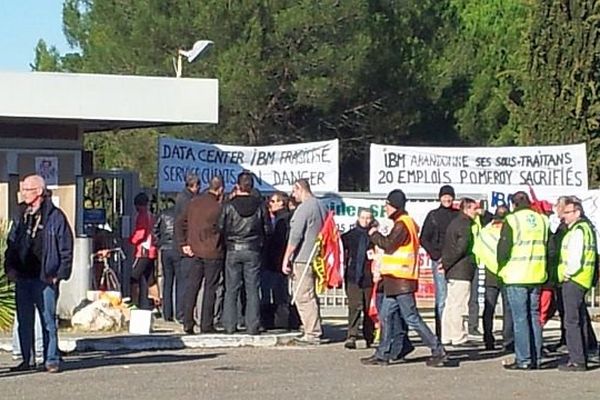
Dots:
{"x": 275, "y": 167}
{"x": 549, "y": 169}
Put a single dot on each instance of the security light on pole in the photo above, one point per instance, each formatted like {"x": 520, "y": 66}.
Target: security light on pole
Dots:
{"x": 197, "y": 49}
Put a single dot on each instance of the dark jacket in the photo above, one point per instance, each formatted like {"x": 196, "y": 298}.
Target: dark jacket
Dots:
{"x": 389, "y": 244}
{"x": 358, "y": 266}
{"x": 434, "y": 230}
{"x": 277, "y": 242}
{"x": 457, "y": 255}
{"x": 245, "y": 224}
{"x": 164, "y": 229}
{"x": 181, "y": 202}
{"x": 199, "y": 227}
{"x": 57, "y": 244}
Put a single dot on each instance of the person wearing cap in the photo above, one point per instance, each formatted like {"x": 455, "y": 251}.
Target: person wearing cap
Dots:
{"x": 522, "y": 267}
{"x": 432, "y": 240}
{"x": 577, "y": 272}
{"x": 485, "y": 248}
{"x": 459, "y": 266}
{"x": 399, "y": 270}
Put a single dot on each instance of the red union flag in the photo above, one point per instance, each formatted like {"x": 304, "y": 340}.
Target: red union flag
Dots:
{"x": 328, "y": 262}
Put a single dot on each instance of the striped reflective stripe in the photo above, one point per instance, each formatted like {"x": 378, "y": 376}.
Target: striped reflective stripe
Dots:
{"x": 530, "y": 242}
{"x": 531, "y": 258}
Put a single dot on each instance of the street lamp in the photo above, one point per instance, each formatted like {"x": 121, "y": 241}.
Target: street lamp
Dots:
{"x": 198, "y": 48}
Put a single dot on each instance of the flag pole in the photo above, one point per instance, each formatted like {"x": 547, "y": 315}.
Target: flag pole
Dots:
{"x": 313, "y": 253}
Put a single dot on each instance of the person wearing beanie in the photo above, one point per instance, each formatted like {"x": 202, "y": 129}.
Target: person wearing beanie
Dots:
{"x": 399, "y": 271}
{"x": 432, "y": 240}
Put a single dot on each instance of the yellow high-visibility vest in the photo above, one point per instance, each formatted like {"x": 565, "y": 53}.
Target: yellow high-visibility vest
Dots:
{"x": 527, "y": 263}
{"x": 585, "y": 275}
{"x": 486, "y": 246}
{"x": 403, "y": 262}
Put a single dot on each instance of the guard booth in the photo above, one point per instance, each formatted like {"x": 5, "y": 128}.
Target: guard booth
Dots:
{"x": 43, "y": 120}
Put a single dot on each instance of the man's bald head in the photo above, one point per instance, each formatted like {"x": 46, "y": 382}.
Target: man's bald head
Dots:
{"x": 33, "y": 189}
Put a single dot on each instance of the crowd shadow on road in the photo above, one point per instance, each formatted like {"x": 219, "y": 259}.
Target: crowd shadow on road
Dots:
{"x": 121, "y": 358}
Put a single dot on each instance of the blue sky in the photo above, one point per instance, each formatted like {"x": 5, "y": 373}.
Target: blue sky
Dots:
{"x": 22, "y": 24}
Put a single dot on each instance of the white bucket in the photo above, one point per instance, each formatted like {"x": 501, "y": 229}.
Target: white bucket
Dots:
{"x": 140, "y": 322}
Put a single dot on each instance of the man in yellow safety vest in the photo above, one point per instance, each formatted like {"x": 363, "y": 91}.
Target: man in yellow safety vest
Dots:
{"x": 485, "y": 250}
{"x": 522, "y": 268}
{"x": 576, "y": 272}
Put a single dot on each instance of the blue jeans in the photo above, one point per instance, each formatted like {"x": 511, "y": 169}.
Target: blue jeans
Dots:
{"x": 407, "y": 306}
{"x": 525, "y": 307}
{"x": 394, "y": 343}
{"x": 441, "y": 291}
{"x": 31, "y": 294}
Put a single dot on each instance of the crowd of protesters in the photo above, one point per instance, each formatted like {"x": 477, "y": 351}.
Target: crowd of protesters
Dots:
{"x": 250, "y": 260}
{"x": 228, "y": 257}
{"x": 537, "y": 270}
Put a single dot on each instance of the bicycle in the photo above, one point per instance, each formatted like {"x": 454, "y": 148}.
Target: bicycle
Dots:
{"x": 109, "y": 279}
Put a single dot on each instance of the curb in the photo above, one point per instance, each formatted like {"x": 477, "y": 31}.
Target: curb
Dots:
{"x": 165, "y": 342}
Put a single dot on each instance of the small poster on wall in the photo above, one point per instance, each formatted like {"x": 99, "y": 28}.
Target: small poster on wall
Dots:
{"x": 47, "y": 168}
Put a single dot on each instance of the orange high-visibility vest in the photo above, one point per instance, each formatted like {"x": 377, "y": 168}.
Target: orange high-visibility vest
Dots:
{"x": 403, "y": 263}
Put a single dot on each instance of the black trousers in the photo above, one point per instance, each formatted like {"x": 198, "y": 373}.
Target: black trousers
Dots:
{"x": 172, "y": 275}
{"x": 242, "y": 269}
{"x": 358, "y": 303}
{"x": 200, "y": 270}
{"x": 588, "y": 330}
{"x": 474, "y": 303}
{"x": 491, "y": 299}
{"x": 142, "y": 273}
{"x": 577, "y": 323}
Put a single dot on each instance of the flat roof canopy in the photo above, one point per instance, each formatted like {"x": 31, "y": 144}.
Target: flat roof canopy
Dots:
{"x": 103, "y": 102}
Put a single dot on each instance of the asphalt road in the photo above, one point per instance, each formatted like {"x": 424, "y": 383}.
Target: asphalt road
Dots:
{"x": 326, "y": 372}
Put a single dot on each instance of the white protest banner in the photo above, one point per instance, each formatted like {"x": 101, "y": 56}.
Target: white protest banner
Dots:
{"x": 275, "y": 167}
{"x": 555, "y": 169}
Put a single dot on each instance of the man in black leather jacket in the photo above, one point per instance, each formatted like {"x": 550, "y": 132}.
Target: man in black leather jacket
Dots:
{"x": 245, "y": 225}
{"x": 170, "y": 256}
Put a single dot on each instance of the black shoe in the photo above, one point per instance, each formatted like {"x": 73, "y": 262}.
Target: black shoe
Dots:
{"x": 514, "y": 366}
{"x": 208, "y": 331}
{"x": 350, "y": 344}
{"x": 188, "y": 331}
{"x": 490, "y": 347}
{"x": 437, "y": 361}
{"x": 508, "y": 348}
{"x": 22, "y": 367}
{"x": 373, "y": 360}
{"x": 475, "y": 332}
{"x": 572, "y": 367}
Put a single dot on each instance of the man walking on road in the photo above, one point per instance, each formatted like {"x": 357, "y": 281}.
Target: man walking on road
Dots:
{"x": 399, "y": 270}
{"x": 305, "y": 225}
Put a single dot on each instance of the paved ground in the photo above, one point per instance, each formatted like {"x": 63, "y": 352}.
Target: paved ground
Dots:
{"x": 326, "y": 372}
